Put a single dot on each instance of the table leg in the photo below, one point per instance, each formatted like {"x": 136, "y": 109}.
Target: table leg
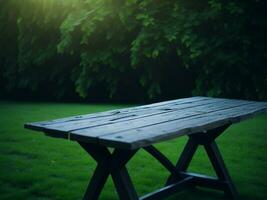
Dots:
{"x": 110, "y": 164}
{"x": 97, "y": 182}
{"x": 184, "y": 160}
{"x": 220, "y": 168}
{"x": 207, "y": 139}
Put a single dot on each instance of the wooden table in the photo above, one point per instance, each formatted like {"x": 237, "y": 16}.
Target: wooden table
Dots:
{"x": 127, "y": 130}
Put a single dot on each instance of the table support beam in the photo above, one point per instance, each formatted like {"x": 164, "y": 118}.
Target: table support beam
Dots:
{"x": 169, "y": 189}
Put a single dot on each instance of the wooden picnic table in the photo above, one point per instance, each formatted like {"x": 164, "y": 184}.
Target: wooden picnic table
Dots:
{"x": 202, "y": 119}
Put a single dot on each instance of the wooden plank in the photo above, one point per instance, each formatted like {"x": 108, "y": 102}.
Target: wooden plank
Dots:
{"x": 92, "y": 123}
{"x": 95, "y": 132}
{"x": 146, "y": 136}
{"x": 114, "y": 113}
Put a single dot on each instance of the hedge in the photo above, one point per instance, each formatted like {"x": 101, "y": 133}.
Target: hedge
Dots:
{"x": 133, "y": 50}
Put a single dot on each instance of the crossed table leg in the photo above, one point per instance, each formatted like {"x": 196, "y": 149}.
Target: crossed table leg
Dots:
{"x": 114, "y": 164}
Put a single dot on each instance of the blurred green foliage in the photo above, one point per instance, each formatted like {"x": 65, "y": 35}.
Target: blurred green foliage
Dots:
{"x": 133, "y": 50}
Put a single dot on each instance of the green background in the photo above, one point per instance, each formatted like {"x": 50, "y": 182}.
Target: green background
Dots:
{"x": 132, "y": 50}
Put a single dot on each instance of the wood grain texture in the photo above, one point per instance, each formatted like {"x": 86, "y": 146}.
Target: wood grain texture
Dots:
{"x": 114, "y": 114}
{"x": 141, "y": 126}
{"x": 148, "y": 135}
{"x": 136, "y": 115}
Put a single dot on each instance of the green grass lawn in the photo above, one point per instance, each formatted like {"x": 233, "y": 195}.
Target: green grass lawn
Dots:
{"x": 37, "y": 167}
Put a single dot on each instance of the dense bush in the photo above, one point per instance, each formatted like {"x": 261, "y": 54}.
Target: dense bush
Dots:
{"x": 133, "y": 50}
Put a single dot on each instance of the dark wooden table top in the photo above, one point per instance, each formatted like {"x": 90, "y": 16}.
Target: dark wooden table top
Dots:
{"x": 142, "y": 126}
